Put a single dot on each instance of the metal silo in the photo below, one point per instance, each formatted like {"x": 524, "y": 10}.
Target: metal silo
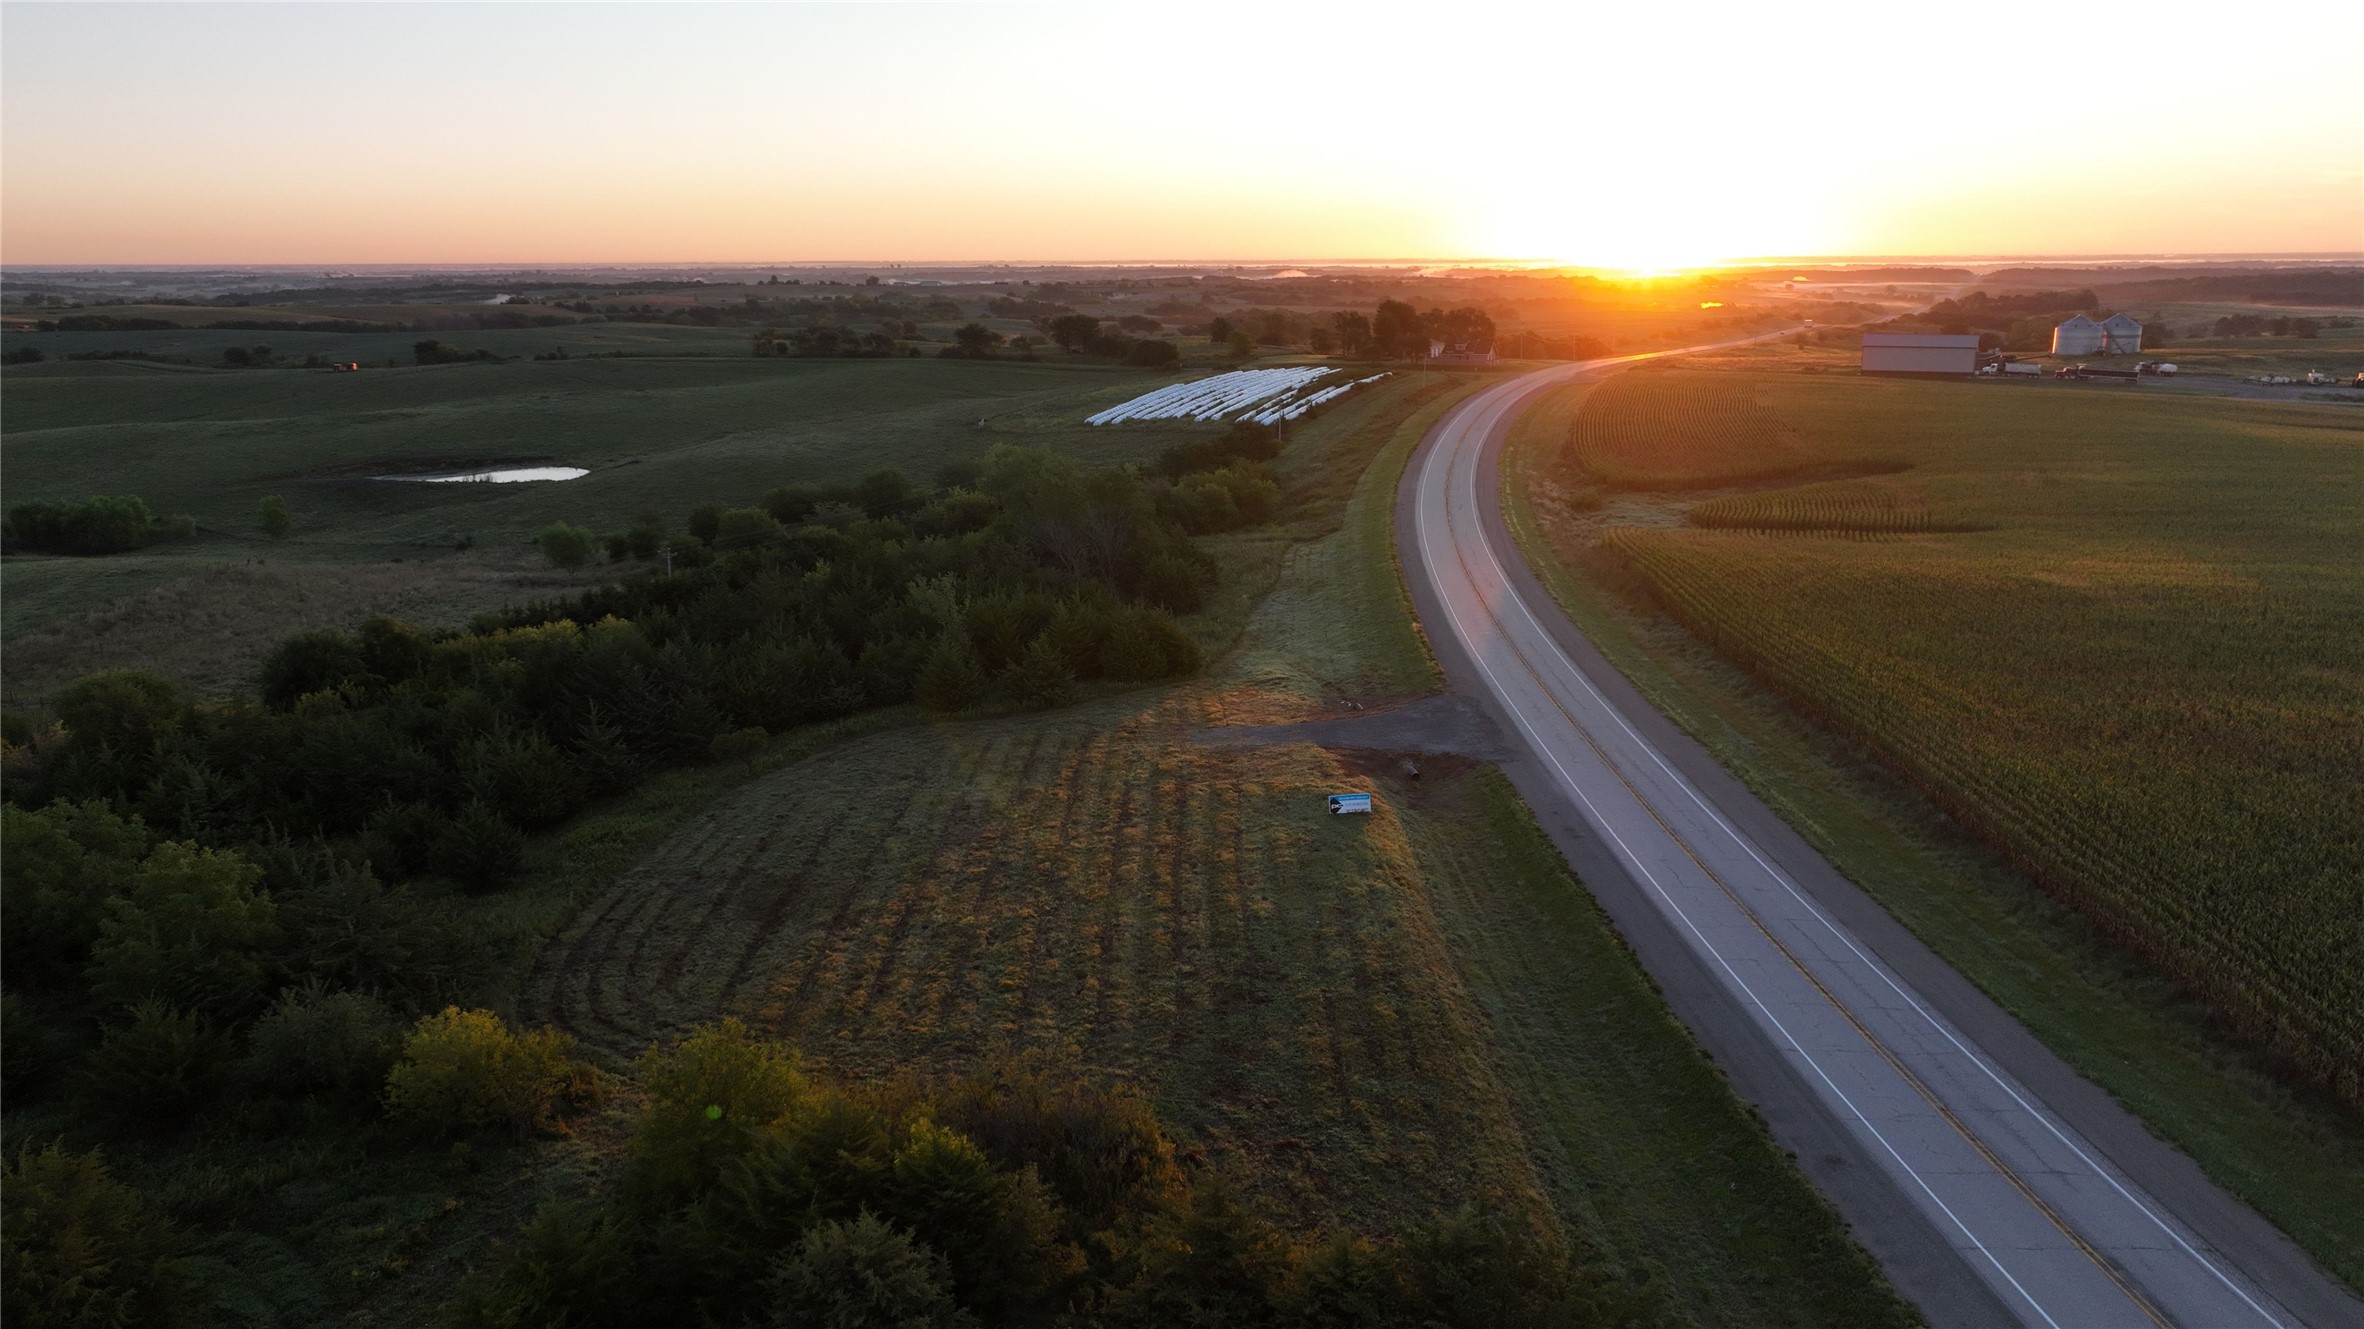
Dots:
{"x": 2120, "y": 335}
{"x": 2079, "y": 336}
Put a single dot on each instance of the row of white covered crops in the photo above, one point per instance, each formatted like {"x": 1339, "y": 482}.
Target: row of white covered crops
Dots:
{"x": 1266, "y": 396}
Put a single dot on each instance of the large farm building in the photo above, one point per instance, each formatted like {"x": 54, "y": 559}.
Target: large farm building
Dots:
{"x": 1919, "y": 353}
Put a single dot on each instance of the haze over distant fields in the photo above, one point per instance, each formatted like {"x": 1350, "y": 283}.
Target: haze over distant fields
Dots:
{"x": 1652, "y": 137}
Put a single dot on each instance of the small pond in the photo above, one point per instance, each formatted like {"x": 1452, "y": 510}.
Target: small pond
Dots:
{"x": 504, "y": 476}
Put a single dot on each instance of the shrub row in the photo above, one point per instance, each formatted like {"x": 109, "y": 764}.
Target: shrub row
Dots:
{"x": 98, "y": 525}
{"x": 753, "y": 1194}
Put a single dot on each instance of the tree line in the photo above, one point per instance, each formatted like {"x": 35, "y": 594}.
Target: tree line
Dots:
{"x": 752, "y": 1192}
{"x": 1394, "y": 330}
{"x": 431, "y": 752}
{"x": 827, "y": 342}
{"x": 2258, "y": 325}
{"x": 101, "y": 524}
{"x": 1082, "y": 334}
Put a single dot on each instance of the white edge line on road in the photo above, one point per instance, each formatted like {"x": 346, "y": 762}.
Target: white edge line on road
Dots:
{"x": 1910, "y": 998}
{"x": 1634, "y": 861}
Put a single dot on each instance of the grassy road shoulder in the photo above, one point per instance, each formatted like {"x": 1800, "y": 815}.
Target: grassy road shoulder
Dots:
{"x": 2297, "y": 1162}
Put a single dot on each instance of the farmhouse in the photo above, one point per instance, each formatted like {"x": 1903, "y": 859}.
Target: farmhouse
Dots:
{"x": 1919, "y": 353}
{"x": 1459, "y": 353}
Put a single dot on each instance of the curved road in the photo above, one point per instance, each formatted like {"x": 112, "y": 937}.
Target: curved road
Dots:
{"x": 1995, "y": 1185}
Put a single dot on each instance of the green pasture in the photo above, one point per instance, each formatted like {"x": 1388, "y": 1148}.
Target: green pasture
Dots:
{"x": 656, "y": 434}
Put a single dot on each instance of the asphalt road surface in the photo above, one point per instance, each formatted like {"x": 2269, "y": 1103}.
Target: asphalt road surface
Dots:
{"x": 1994, "y": 1184}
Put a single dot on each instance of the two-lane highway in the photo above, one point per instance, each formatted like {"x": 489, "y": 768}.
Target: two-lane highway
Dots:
{"x": 2050, "y": 1229}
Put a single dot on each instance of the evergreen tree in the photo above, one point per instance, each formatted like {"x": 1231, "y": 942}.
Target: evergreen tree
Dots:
{"x": 953, "y": 679}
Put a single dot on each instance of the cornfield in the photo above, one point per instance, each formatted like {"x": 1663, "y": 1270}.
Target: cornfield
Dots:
{"x": 1854, "y": 507}
{"x": 2143, "y": 684}
{"x": 1669, "y": 431}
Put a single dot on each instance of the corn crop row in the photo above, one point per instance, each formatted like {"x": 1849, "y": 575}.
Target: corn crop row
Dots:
{"x": 1848, "y": 507}
{"x": 1679, "y": 431}
{"x": 2225, "y": 845}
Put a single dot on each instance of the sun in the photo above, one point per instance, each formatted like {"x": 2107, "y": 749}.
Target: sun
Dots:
{"x": 1635, "y": 239}
{"x": 1637, "y": 242}
{"x": 1640, "y": 213}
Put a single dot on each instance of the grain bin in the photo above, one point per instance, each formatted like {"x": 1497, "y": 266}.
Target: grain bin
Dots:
{"x": 2120, "y": 335}
{"x": 2079, "y": 336}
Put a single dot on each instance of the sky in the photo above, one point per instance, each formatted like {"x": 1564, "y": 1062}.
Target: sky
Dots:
{"x": 1640, "y": 136}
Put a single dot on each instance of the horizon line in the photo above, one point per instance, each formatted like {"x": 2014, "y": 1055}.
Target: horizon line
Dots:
{"x": 1842, "y": 260}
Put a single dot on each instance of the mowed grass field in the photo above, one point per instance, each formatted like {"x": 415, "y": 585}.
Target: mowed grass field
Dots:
{"x": 662, "y": 435}
{"x": 2115, "y": 635}
{"x": 1364, "y": 1020}
{"x": 655, "y": 433}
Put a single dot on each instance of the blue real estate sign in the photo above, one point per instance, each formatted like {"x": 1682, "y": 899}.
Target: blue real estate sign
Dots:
{"x": 1349, "y": 803}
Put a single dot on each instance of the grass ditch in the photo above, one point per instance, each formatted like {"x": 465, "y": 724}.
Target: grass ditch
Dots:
{"x": 2293, "y": 1156}
{"x": 1641, "y": 1141}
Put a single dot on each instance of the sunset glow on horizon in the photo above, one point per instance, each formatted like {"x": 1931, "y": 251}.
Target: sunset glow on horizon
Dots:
{"x": 738, "y": 133}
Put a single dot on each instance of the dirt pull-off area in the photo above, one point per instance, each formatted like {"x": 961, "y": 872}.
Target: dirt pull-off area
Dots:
{"x": 1444, "y": 725}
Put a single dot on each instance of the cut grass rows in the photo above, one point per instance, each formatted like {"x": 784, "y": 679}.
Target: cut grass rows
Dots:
{"x": 1087, "y": 886}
